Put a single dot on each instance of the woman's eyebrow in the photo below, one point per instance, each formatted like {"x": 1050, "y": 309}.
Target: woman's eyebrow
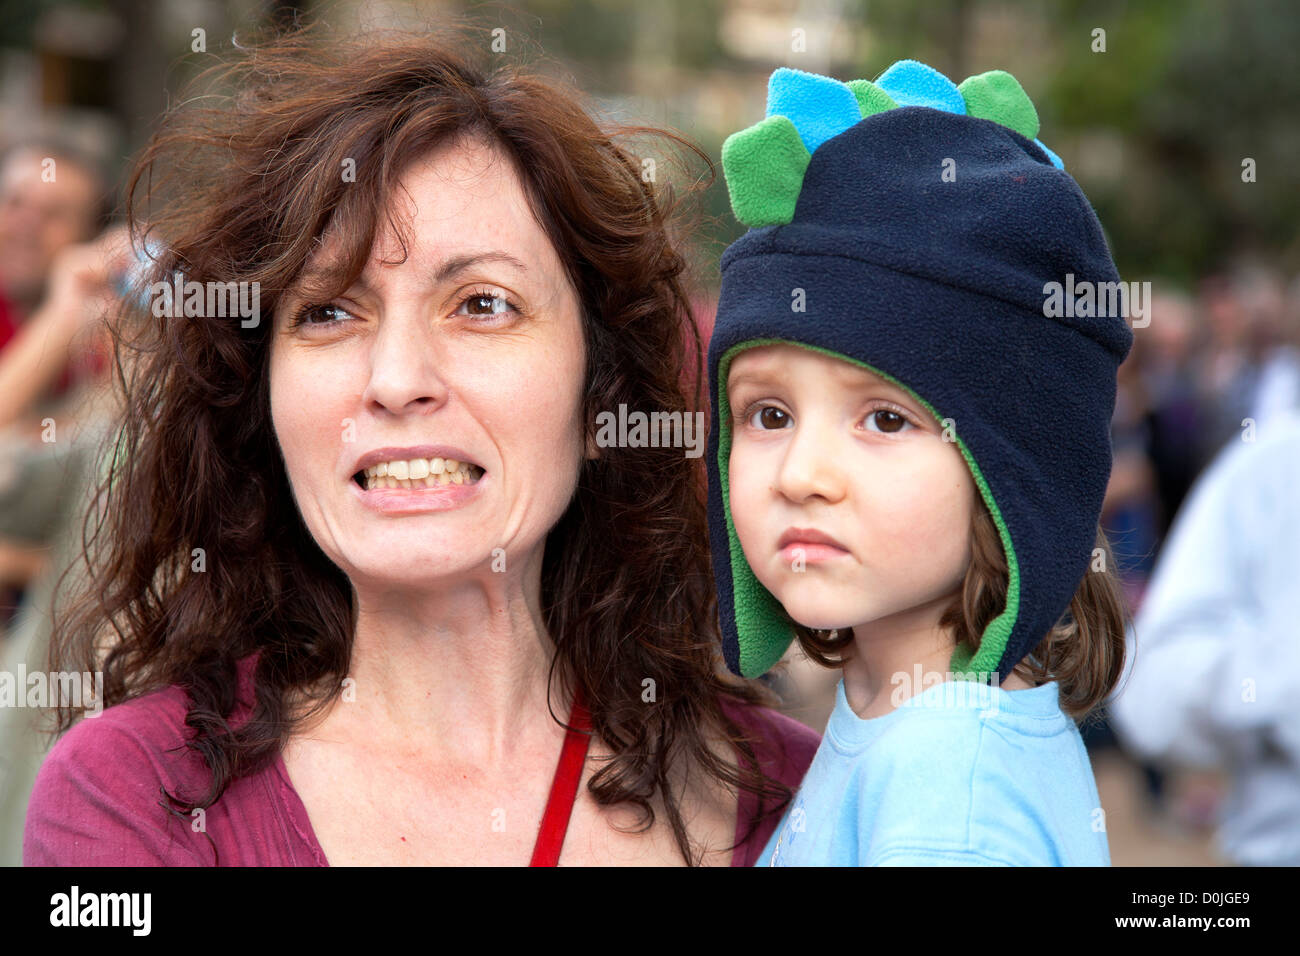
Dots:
{"x": 458, "y": 264}
{"x": 448, "y": 269}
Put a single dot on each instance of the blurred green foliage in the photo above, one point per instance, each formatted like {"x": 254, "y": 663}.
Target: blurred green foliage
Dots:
{"x": 1155, "y": 128}
{"x": 1184, "y": 92}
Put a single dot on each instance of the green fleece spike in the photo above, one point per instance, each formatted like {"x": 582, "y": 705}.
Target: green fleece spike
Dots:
{"x": 998, "y": 96}
{"x": 764, "y": 166}
{"x": 871, "y": 98}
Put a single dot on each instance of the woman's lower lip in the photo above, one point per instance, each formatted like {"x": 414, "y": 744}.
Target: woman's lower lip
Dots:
{"x": 417, "y": 500}
{"x": 810, "y": 551}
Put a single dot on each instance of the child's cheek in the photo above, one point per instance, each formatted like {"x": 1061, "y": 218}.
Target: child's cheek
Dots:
{"x": 917, "y": 514}
{"x": 748, "y": 497}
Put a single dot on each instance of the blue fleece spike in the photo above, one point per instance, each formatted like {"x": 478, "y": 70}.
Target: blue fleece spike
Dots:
{"x": 819, "y": 107}
{"x": 914, "y": 84}
{"x": 1056, "y": 160}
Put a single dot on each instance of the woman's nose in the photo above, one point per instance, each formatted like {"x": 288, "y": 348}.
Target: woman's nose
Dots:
{"x": 407, "y": 364}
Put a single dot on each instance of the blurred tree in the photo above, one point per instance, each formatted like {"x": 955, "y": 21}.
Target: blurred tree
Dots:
{"x": 1189, "y": 89}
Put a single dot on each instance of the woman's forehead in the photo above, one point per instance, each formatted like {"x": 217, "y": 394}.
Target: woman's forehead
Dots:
{"x": 459, "y": 176}
{"x": 459, "y": 206}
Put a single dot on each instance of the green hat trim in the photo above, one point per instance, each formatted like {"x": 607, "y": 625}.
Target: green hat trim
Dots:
{"x": 761, "y": 621}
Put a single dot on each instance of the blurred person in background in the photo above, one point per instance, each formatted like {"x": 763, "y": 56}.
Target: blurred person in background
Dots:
{"x": 58, "y": 278}
{"x": 1250, "y": 367}
{"x": 1132, "y": 505}
{"x": 1215, "y": 673}
{"x": 43, "y": 503}
{"x": 57, "y": 272}
{"x": 55, "y": 260}
{"x": 1224, "y": 373}
{"x": 51, "y": 197}
{"x": 1165, "y": 355}
{"x": 1272, "y": 344}
{"x": 1156, "y": 439}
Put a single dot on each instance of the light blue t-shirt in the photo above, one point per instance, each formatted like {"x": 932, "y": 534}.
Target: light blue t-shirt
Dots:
{"x": 962, "y": 774}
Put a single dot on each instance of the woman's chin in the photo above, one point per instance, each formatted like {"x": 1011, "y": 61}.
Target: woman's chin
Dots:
{"x": 417, "y": 569}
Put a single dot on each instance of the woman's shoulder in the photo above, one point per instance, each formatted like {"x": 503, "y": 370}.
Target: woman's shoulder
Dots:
{"x": 784, "y": 749}
{"x": 100, "y": 796}
{"x": 783, "y": 745}
{"x": 151, "y": 726}
{"x": 101, "y": 784}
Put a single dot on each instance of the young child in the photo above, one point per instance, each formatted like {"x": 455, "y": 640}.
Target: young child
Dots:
{"x": 914, "y": 368}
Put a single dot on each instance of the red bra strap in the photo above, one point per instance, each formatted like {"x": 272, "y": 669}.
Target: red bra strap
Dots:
{"x": 564, "y": 787}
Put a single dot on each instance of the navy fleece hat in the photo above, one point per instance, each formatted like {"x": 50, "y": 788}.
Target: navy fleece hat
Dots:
{"x": 925, "y": 225}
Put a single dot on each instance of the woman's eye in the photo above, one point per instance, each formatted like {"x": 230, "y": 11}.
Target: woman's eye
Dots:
{"x": 484, "y": 304}
{"x": 327, "y": 314}
{"x": 769, "y": 417}
{"x": 888, "y": 421}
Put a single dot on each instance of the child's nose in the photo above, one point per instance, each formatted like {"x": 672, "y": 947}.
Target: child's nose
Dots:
{"x": 809, "y": 468}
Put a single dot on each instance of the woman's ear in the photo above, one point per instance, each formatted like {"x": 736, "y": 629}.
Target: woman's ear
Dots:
{"x": 593, "y": 450}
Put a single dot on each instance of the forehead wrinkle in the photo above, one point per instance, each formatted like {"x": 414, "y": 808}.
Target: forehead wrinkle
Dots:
{"x": 404, "y": 223}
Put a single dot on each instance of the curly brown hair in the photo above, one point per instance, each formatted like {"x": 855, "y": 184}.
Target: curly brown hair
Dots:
{"x": 238, "y": 184}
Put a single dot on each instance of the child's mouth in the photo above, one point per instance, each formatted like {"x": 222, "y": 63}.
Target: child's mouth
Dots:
{"x": 811, "y": 551}
{"x": 809, "y": 544}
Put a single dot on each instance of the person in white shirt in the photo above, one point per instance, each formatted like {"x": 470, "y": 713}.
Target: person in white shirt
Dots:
{"x": 1214, "y": 672}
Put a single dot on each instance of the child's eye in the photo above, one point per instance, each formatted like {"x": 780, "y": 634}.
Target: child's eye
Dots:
{"x": 887, "y": 420}
{"x": 769, "y": 417}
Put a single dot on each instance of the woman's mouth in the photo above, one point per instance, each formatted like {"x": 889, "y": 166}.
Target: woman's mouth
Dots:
{"x": 417, "y": 473}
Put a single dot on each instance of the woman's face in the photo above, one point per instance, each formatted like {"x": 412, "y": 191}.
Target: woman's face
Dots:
{"x": 821, "y": 447}
{"x": 469, "y": 351}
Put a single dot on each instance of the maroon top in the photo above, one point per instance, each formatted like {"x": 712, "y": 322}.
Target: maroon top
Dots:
{"x": 96, "y": 797}
{"x": 87, "y": 362}
{"x": 8, "y": 321}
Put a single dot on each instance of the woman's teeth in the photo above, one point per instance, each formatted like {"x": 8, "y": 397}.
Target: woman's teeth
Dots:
{"x": 421, "y": 473}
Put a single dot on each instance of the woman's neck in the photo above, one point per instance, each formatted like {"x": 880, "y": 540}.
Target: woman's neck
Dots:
{"x": 465, "y": 665}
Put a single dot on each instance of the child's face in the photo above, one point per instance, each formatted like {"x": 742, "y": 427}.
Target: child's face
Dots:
{"x": 821, "y": 445}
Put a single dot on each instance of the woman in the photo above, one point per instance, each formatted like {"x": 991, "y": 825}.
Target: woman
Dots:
{"x": 457, "y": 271}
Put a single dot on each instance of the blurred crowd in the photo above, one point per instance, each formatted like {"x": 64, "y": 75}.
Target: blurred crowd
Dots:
{"x": 61, "y": 266}
{"x": 1206, "y": 404}
{"x": 1210, "y": 389}
{"x": 1217, "y": 365}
